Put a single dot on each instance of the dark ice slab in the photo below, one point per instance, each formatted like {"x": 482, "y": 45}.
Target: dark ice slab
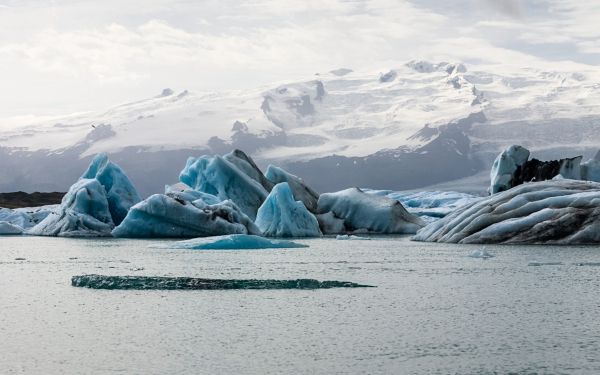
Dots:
{"x": 191, "y": 283}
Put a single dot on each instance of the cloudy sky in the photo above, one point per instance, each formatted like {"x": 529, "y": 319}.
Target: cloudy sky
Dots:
{"x": 63, "y": 56}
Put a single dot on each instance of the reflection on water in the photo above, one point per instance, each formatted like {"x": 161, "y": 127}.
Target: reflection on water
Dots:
{"x": 436, "y": 310}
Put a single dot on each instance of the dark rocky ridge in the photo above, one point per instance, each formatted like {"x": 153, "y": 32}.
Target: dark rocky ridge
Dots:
{"x": 21, "y": 199}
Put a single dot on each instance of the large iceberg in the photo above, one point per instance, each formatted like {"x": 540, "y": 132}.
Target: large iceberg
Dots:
{"x": 352, "y": 210}
{"x": 163, "y": 216}
{"x": 512, "y": 168}
{"x": 84, "y": 212}
{"x": 231, "y": 242}
{"x": 220, "y": 177}
{"x": 282, "y": 216}
{"x": 302, "y": 192}
{"x": 558, "y": 211}
{"x": 120, "y": 193}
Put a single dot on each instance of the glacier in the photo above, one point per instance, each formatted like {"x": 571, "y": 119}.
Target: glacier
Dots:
{"x": 162, "y": 216}
{"x": 282, "y": 216}
{"x": 301, "y": 191}
{"x": 83, "y": 212}
{"x": 231, "y": 242}
{"x": 560, "y": 211}
{"x": 120, "y": 192}
{"x": 220, "y": 177}
{"x": 354, "y": 211}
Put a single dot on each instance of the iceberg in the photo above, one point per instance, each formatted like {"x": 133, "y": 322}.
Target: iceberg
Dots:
{"x": 231, "y": 242}
{"x": 363, "y": 212}
{"x": 191, "y": 283}
{"x": 351, "y": 237}
{"x": 301, "y": 191}
{"x": 281, "y": 216}
{"x": 429, "y": 205}
{"x": 182, "y": 192}
{"x": 219, "y": 177}
{"x": 590, "y": 170}
{"x": 549, "y": 212}
{"x": 164, "y": 216}
{"x": 28, "y": 217}
{"x": 84, "y": 212}
{"x": 247, "y": 165}
{"x": 7, "y": 228}
{"x": 505, "y": 166}
{"x": 120, "y": 193}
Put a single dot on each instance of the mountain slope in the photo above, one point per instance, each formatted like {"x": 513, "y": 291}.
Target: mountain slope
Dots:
{"x": 419, "y": 124}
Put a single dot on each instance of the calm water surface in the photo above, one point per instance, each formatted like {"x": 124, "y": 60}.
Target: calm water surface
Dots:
{"x": 435, "y": 310}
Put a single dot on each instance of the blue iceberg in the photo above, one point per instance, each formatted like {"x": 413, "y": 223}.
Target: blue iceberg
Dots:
{"x": 7, "y": 228}
{"x": 120, "y": 192}
{"x": 354, "y": 211}
{"x": 302, "y": 192}
{"x": 84, "y": 212}
{"x": 163, "y": 216}
{"x": 219, "y": 177}
{"x": 281, "y": 216}
{"x": 231, "y": 242}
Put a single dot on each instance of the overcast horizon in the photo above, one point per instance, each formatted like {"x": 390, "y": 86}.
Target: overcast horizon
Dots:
{"x": 60, "y": 57}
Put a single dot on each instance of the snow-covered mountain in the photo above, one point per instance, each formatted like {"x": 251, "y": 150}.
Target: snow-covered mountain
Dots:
{"x": 419, "y": 124}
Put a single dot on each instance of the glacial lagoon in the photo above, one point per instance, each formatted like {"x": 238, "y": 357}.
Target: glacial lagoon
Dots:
{"x": 435, "y": 309}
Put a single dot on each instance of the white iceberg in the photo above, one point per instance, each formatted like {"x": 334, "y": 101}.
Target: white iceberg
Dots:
{"x": 482, "y": 253}
{"x": 223, "y": 179}
{"x": 504, "y": 167}
{"x": 28, "y": 217}
{"x": 282, "y": 216}
{"x": 351, "y": 237}
{"x": 164, "y": 216}
{"x": 363, "y": 212}
{"x": 429, "y": 205}
{"x": 232, "y": 242}
{"x": 553, "y": 211}
{"x": 302, "y": 192}
{"x": 120, "y": 192}
{"x": 84, "y": 212}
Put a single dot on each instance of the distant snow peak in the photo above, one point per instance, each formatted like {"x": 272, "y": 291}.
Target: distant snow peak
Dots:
{"x": 166, "y": 92}
{"x": 428, "y": 67}
{"x": 388, "y": 77}
{"x": 341, "y": 72}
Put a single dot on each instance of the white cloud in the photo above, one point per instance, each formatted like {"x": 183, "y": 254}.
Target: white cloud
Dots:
{"x": 62, "y": 55}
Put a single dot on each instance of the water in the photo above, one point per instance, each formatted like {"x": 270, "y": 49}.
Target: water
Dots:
{"x": 436, "y": 310}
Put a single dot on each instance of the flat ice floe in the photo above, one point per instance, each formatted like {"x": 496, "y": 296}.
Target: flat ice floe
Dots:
{"x": 231, "y": 242}
{"x": 192, "y": 283}
{"x": 565, "y": 212}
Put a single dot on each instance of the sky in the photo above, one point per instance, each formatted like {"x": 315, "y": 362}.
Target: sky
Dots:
{"x": 64, "y": 56}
